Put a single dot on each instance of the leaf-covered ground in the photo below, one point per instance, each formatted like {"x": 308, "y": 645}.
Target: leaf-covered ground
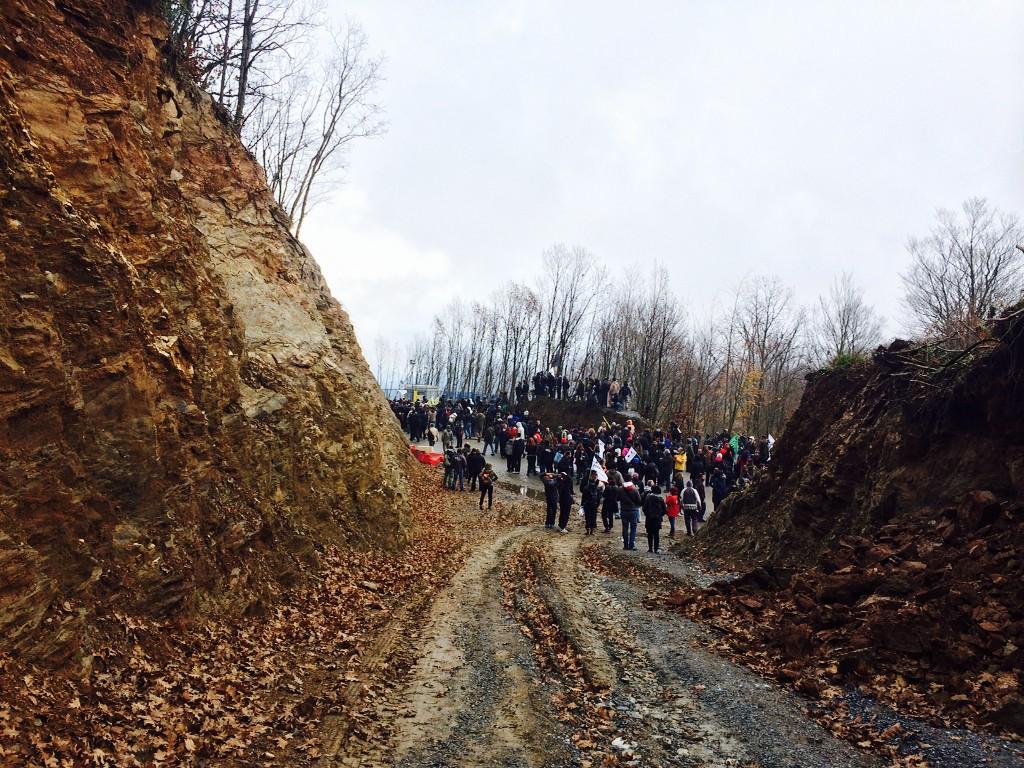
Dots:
{"x": 249, "y": 691}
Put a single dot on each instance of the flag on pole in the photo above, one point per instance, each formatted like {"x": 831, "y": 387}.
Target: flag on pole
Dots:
{"x": 629, "y": 455}
{"x": 600, "y": 448}
{"x": 595, "y": 466}
{"x": 771, "y": 440}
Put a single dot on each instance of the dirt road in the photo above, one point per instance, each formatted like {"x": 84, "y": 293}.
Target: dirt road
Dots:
{"x": 541, "y": 652}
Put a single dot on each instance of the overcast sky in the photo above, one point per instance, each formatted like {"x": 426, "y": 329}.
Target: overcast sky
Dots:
{"x": 718, "y": 138}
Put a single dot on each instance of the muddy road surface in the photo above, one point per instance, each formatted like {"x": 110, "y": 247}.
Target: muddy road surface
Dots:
{"x": 546, "y": 650}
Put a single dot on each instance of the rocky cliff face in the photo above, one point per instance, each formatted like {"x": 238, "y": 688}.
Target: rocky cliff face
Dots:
{"x": 185, "y": 413}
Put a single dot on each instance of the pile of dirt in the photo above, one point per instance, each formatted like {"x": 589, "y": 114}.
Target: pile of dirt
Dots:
{"x": 888, "y": 536}
{"x": 572, "y": 413}
{"x": 186, "y": 418}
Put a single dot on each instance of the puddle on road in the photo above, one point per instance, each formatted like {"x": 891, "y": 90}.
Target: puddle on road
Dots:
{"x": 521, "y": 490}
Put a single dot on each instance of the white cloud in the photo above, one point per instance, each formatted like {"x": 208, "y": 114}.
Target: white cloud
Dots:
{"x": 720, "y": 139}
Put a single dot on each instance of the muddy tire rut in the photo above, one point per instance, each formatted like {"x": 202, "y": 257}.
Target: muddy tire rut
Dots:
{"x": 532, "y": 658}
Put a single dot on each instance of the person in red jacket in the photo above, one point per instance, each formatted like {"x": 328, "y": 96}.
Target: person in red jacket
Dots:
{"x": 672, "y": 509}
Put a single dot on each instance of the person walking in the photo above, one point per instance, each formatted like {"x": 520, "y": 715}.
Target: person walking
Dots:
{"x": 487, "y": 478}
{"x": 629, "y": 511}
{"x": 690, "y": 502}
{"x": 654, "y": 511}
{"x": 550, "y": 481}
{"x": 565, "y": 500}
{"x": 590, "y": 500}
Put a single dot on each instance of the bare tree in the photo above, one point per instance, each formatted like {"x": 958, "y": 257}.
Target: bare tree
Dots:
{"x": 568, "y": 282}
{"x": 846, "y": 325}
{"x": 302, "y": 135}
{"x": 295, "y": 109}
{"x": 965, "y": 270}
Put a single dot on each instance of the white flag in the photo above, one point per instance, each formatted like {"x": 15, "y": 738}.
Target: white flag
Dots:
{"x": 595, "y": 466}
{"x": 771, "y": 440}
{"x": 630, "y": 455}
{"x": 600, "y": 448}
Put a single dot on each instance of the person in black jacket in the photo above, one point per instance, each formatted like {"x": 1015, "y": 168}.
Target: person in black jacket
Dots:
{"x": 590, "y": 500}
{"x": 545, "y": 458}
{"x": 565, "y": 499}
{"x": 609, "y": 506}
{"x": 665, "y": 466}
{"x": 654, "y": 511}
{"x": 518, "y": 448}
{"x": 650, "y": 471}
{"x": 698, "y": 485}
{"x": 487, "y": 477}
{"x": 531, "y": 457}
{"x": 719, "y": 486}
{"x": 550, "y": 498}
{"x": 629, "y": 511}
{"x": 696, "y": 465}
{"x": 474, "y": 465}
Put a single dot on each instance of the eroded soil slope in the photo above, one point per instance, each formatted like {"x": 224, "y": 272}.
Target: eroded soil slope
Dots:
{"x": 185, "y": 415}
{"x": 888, "y": 535}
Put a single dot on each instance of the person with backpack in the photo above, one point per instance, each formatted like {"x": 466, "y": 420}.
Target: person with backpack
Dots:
{"x": 487, "y": 478}
{"x": 654, "y": 511}
{"x": 590, "y": 500}
{"x": 672, "y": 509}
{"x": 690, "y": 502}
{"x": 550, "y": 481}
{"x": 629, "y": 511}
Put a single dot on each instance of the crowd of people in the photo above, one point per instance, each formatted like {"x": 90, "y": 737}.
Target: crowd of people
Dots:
{"x": 618, "y": 471}
{"x": 607, "y": 392}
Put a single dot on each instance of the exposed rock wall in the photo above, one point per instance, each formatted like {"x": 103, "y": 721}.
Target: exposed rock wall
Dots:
{"x": 185, "y": 412}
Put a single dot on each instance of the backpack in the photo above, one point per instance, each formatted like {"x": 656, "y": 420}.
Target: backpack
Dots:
{"x": 691, "y": 498}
